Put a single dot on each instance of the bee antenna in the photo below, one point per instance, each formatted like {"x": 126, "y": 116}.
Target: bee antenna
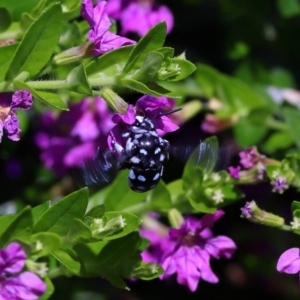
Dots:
{"x": 166, "y": 113}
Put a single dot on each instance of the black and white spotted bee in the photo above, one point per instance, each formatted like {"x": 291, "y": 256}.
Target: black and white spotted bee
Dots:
{"x": 143, "y": 152}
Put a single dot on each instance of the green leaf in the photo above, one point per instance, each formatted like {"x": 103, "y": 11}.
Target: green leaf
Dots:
{"x": 110, "y": 258}
{"x": 59, "y": 217}
{"x": 167, "y": 52}
{"x": 151, "y": 88}
{"x": 185, "y": 66}
{"x": 159, "y": 198}
{"x": 295, "y": 205}
{"x": 204, "y": 157}
{"x": 288, "y": 8}
{"x": 96, "y": 212}
{"x": 79, "y": 232}
{"x": 5, "y": 19}
{"x": 147, "y": 271}
{"x": 120, "y": 196}
{"x": 109, "y": 64}
{"x": 277, "y": 141}
{"x": 77, "y": 77}
{"x": 38, "y": 211}
{"x": 38, "y": 43}
{"x": 51, "y": 99}
{"x": 6, "y": 55}
{"x": 150, "y": 67}
{"x": 292, "y": 117}
{"x": 49, "y": 290}
{"x": 67, "y": 260}
{"x": 249, "y": 134}
{"x": 19, "y": 228}
{"x": 5, "y": 221}
{"x": 49, "y": 242}
{"x": 153, "y": 40}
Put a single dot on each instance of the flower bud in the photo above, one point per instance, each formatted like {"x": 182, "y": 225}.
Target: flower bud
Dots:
{"x": 114, "y": 101}
{"x": 101, "y": 228}
{"x": 254, "y": 214}
{"x": 175, "y": 218}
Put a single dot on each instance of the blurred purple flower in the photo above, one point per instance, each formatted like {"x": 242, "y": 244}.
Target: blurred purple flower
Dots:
{"x": 99, "y": 34}
{"x": 139, "y": 15}
{"x": 148, "y": 106}
{"x": 212, "y": 124}
{"x": 190, "y": 249}
{"x": 289, "y": 261}
{"x": 247, "y": 210}
{"x": 249, "y": 157}
{"x": 279, "y": 184}
{"x": 9, "y": 103}
{"x": 234, "y": 172}
{"x": 70, "y": 138}
{"x": 16, "y": 285}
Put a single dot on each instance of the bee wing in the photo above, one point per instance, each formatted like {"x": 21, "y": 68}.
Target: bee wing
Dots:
{"x": 101, "y": 169}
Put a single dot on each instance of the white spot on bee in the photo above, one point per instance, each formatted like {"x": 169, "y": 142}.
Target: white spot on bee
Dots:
{"x": 153, "y": 133}
{"x": 143, "y": 151}
{"x": 136, "y": 129}
{"x": 118, "y": 147}
{"x": 131, "y": 175}
{"x": 140, "y": 118}
{"x": 157, "y": 150}
{"x": 162, "y": 157}
{"x": 141, "y": 178}
{"x": 125, "y": 134}
{"x": 152, "y": 163}
{"x": 157, "y": 175}
{"x": 135, "y": 160}
{"x": 162, "y": 170}
{"x": 129, "y": 144}
{"x": 138, "y": 135}
{"x": 140, "y": 187}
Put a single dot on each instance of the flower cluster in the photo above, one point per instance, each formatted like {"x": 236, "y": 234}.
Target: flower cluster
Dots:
{"x": 148, "y": 106}
{"x": 70, "y": 138}
{"x": 99, "y": 22}
{"x": 9, "y": 103}
{"x": 187, "y": 250}
{"x": 15, "y": 284}
{"x": 139, "y": 15}
{"x": 251, "y": 160}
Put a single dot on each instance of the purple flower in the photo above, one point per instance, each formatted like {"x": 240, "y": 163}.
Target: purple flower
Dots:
{"x": 247, "y": 210}
{"x": 99, "y": 34}
{"x": 289, "y": 261}
{"x": 21, "y": 99}
{"x": 148, "y": 106}
{"x": 16, "y": 285}
{"x": 139, "y": 15}
{"x": 235, "y": 172}
{"x": 190, "y": 249}
{"x": 70, "y": 138}
{"x": 249, "y": 157}
{"x": 279, "y": 184}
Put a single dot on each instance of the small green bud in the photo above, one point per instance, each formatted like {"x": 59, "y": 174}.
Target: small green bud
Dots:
{"x": 114, "y": 101}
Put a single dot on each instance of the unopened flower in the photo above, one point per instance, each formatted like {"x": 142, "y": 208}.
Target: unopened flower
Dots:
{"x": 289, "y": 261}
{"x": 99, "y": 34}
{"x": 9, "y": 103}
{"x": 279, "y": 184}
{"x": 190, "y": 249}
{"x": 235, "y": 172}
{"x": 72, "y": 137}
{"x": 254, "y": 214}
{"x": 15, "y": 284}
{"x": 213, "y": 124}
{"x": 139, "y": 15}
{"x": 148, "y": 106}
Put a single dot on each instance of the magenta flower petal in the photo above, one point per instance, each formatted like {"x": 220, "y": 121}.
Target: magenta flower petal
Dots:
{"x": 234, "y": 172}
{"x": 21, "y": 99}
{"x": 25, "y": 286}
{"x": 289, "y": 261}
{"x": 77, "y": 154}
{"x": 220, "y": 246}
{"x": 11, "y": 124}
{"x": 209, "y": 219}
{"x": 12, "y": 259}
{"x": 153, "y": 105}
{"x": 127, "y": 118}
